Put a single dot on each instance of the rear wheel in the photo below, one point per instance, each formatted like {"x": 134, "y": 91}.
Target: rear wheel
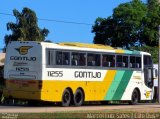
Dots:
{"x": 134, "y": 98}
{"x": 66, "y": 98}
{"x": 8, "y": 101}
{"x": 78, "y": 98}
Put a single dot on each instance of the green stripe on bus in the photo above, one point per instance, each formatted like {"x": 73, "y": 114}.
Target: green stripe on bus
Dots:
{"x": 136, "y": 52}
{"x": 122, "y": 86}
{"x": 128, "y": 52}
{"x": 114, "y": 85}
{"x": 131, "y": 52}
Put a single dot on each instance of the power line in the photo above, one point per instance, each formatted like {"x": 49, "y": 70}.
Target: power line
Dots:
{"x": 68, "y": 22}
{"x": 63, "y": 21}
{"x": 53, "y": 20}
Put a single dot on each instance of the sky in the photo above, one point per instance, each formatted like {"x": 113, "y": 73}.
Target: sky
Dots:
{"x": 80, "y": 11}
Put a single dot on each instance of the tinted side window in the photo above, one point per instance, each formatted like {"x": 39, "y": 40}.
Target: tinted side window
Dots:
{"x": 132, "y": 62}
{"x": 66, "y": 58}
{"x": 62, "y": 58}
{"x": 119, "y": 61}
{"x": 108, "y": 61}
{"x": 125, "y": 61}
{"x": 138, "y": 62}
{"x": 78, "y": 59}
{"x": 135, "y": 62}
{"x": 50, "y": 57}
{"x": 58, "y": 58}
{"x": 147, "y": 60}
{"x": 93, "y": 59}
{"x": 122, "y": 61}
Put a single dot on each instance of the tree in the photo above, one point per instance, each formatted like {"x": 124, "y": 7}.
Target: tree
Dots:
{"x": 132, "y": 24}
{"x": 25, "y": 28}
{"x": 151, "y": 22}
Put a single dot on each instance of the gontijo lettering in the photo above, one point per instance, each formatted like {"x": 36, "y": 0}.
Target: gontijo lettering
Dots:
{"x": 87, "y": 74}
{"x": 19, "y": 58}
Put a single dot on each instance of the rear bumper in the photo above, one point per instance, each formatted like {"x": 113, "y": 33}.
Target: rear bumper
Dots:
{"x": 40, "y": 95}
{"x": 20, "y": 94}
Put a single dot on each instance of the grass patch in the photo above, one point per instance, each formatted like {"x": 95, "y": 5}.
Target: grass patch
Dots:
{"x": 113, "y": 114}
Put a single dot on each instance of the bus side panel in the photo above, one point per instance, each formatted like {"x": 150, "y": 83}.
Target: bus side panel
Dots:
{"x": 116, "y": 85}
{"x": 94, "y": 90}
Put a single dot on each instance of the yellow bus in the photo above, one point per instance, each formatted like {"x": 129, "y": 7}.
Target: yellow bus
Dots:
{"x": 72, "y": 73}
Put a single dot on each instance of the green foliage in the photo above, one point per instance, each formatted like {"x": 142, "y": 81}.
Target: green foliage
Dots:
{"x": 152, "y": 50}
{"x": 25, "y": 28}
{"x": 132, "y": 24}
{"x": 151, "y": 22}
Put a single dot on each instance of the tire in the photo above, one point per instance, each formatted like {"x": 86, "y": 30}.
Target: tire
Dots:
{"x": 78, "y": 98}
{"x": 135, "y": 97}
{"x": 66, "y": 98}
{"x": 8, "y": 101}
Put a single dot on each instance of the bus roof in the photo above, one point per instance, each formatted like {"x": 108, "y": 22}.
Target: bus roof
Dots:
{"x": 84, "y": 46}
{"x": 92, "y": 47}
{"x": 96, "y": 46}
{"x": 102, "y": 47}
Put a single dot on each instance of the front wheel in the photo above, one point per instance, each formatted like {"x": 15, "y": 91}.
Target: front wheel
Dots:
{"x": 66, "y": 98}
{"x": 78, "y": 97}
{"x": 134, "y": 98}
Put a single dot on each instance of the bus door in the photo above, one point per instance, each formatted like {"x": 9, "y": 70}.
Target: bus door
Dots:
{"x": 148, "y": 76}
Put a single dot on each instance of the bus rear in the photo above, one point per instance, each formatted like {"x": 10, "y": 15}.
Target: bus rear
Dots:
{"x": 23, "y": 70}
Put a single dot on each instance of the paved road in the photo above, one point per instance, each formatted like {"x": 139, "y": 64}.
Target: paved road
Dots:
{"x": 35, "y": 109}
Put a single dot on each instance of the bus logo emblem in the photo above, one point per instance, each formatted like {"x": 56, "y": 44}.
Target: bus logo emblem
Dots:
{"x": 23, "y": 50}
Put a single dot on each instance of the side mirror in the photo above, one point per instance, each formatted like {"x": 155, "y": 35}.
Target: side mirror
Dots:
{"x": 155, "y": 73}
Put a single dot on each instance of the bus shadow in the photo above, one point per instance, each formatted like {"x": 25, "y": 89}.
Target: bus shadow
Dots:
{"x": 58, "y": 104}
